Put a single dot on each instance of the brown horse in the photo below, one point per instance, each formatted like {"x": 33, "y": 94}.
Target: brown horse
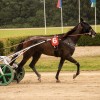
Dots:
{"x": 64, "y": 50}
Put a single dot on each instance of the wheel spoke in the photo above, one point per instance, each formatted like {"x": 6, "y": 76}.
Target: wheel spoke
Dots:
{"x": 0, "y": 76}
{"x": 4, "y": 69}
{"x": 8, "y": 74}
{"x": 4, "y": 79}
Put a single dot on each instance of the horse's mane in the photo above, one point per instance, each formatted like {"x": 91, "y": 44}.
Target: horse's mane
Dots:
{"x": 70, "y": 32}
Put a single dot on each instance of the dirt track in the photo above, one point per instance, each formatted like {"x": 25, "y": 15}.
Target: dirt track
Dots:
{"x": 87, "y": 51}
{"x": 85, "y": 87}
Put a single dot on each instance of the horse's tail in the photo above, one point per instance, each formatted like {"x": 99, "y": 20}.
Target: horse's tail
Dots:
{"x": 19, "y": 47}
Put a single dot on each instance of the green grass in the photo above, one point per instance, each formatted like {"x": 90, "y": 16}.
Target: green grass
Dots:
{"x": 6, "y": 33}
{"x": 29, "y": 32}
{"x": 50, "y": 64}
{"x": 97, "y": 28}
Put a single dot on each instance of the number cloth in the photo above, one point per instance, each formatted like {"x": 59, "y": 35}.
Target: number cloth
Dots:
{"x": 55, "y": 41}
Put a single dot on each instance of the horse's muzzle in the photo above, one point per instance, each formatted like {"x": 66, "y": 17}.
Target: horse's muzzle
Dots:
{"x": 93, "y": 36}
{"x": 92, "y": 33}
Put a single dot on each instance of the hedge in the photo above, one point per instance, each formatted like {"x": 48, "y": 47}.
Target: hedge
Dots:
{"x": 88, "y": 41}
{"x": 5, "y": 44}
{"x": 1, "y": 48}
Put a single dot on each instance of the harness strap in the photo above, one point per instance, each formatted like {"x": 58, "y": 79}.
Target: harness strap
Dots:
{"x": 69, "y": 42}
{"x": 55, "y": 43}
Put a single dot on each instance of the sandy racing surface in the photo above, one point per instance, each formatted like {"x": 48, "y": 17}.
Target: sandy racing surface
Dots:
{"x": 85, "y": 87}
{"x": 87, "y": 51}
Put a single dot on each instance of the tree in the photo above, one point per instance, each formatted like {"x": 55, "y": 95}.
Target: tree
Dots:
{"x": 30, "y": 13}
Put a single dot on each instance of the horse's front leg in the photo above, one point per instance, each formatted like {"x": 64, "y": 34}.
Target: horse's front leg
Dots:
{"x": 59, "y": 69}
{"x": 69, "y": 58}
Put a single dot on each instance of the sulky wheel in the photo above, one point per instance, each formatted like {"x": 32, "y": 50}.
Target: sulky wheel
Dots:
{"x": 19, "y": 76}
{"x": 7, "y": 76}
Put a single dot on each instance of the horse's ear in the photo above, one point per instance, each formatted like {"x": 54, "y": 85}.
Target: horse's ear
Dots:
{"x": 81, "y": 19}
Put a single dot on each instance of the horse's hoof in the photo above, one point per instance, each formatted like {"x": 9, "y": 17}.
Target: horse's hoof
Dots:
{"x": 39, "y": 79}
{"x": 17, "y": 81}
{"x": 74, "y": 76}
{"x": 58, "y": 81}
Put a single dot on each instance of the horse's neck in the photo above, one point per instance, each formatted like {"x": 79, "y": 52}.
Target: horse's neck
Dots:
{"x": 74, "y": 37}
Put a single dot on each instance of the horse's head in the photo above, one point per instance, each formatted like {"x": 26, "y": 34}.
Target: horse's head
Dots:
{"x": 87, "y": 29}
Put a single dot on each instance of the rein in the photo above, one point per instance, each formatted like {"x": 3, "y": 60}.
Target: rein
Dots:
{"x": 76, "y": 35}
{"x": 14, "y": 45}
{"x": 10, "y": 46}
{"x": 29, "y": 40}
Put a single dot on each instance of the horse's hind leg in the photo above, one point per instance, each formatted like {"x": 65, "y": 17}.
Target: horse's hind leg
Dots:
{"x": 69, "y": 58}
{"x": 24, "y": 60}
{"x": 36, "y": 57}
